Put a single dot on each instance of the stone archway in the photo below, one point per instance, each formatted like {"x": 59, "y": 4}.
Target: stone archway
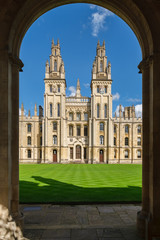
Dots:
{"x": 15, "y": 19}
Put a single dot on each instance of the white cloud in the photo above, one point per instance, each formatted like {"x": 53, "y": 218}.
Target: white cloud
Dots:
{"x": 98, "y": 18}
{"x": 138, "y": 110}
{"x": 72, "y": 90}
{"x": 117, "y": 110}
{"x": 87, "y": 85}
{"x": 134, "y": 100}
{"x": 116, "y": 96}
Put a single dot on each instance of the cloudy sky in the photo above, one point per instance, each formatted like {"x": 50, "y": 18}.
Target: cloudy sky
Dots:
{"x": 78, "y": 28}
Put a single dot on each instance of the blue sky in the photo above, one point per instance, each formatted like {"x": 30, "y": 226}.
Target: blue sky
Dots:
{"x": 78, "y": 28}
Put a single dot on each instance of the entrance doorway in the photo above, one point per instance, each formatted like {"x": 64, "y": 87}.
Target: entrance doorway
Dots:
{"x": 78, "y": 152}
{"x": 101, "y": 155}
{"x": 54, "y": 155}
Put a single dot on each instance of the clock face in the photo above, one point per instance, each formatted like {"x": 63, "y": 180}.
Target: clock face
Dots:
{"x": 102, "y": 90}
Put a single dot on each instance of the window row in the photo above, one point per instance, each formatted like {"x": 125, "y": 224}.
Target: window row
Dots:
{"x": 126, "y": 154}
{"x": 98, "y": 110}
{"x": 29, "y": 127}
{"x": 78, "y": 116}
{"x": 127, "y": 129}
{"x": 58, "y": 88}
{"x": 126, "y": 141}
{"x": 29, "y": 153}
{"x": 78, "y": 130}
{"x": 29, "y": 141}
{"x": 51, "y": 109}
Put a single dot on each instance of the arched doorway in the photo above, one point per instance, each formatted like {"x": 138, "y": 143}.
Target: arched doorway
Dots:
{"x": 139, "y": 16}
{"x": 78, "y": 152}
{"x": 101, "y": 156}
{"x": 54, "y": 155}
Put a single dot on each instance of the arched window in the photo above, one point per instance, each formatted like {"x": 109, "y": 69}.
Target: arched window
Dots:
{"x": 85, "y": 130}
{"x": 40, "y": 154}
{"x": 58, "y": 109}
{"x": 78, "y": 130}
{"x": 54, "y": 139}
{"x": 139, "y": 129}
{"x": 50, "y": 88}
{"x": 50, "y": 109}
{"x": 29, "y": 140}
{"x": 70, "y": 130}
{"x": 126, "y": 129}
{"x": 40, "y": 141}
{"x": 101, "y": 126}
{"x": 86, "y": 116}
{"x": 101, "y": 140}
{"x": 114, "y": 141}
{"x": 70, "y": 116}
{"x": 126, "y": 141}
{"x": 29, "y": 153}
{"x": 29, "y": 127}
{"x": 126, "y": 153}
{"x": 115, "y": 128}
{"x": 105, "y": 89}
{"x": 78, "y": 152}
{"x": 139, "y": 141}
{"x": 97, "y": 89}
{"x": 101, "y": 66}
{"x": 105, "y": 110}
{"x": 139, "y": 154}
{"x": 115, "y": 153}
{"x": 98, "y": 110}
{"x": 55, "y": 66}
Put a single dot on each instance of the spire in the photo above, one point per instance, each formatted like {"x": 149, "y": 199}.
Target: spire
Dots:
{"x": 52, "y": 43}
{"x": 22, "y": 110}
{"x": 120, "y": 111}
{"x": 103, "y": 43}
{"x": 58, "y": 43}
{"x": 98, "y": 44}
{"x": 47, "y": 70}
{"x": 29, "y": 113}
{"x": 35, "y": 110}
{"x": 78, "y": 92}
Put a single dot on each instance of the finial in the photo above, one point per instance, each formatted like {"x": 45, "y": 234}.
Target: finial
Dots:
{"x": 35, "y": 110}
{"x": 78, "y": 83}
{"x": 22, "y": 107}
{"x": 58, "y": 42}
{"x": 29, "y": 113}
{"x": 98, "y": 44}
{"x": 103, "y": 43}
{"x": 47, "y": 62}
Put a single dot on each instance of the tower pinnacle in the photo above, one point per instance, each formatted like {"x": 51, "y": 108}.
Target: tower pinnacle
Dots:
{"x": 78, "y": 92}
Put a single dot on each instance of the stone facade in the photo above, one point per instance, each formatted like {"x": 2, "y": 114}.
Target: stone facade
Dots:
{"x": 79, "y": 129}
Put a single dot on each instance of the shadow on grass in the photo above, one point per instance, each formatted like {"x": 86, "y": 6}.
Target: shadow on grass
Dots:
{"x": 54, "y": 191}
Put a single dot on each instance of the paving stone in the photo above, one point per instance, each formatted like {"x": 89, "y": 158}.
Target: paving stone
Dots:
{"x": 105, "y": 209}
{"x": 109, "y": 232}
{"x": 84, "y": 234}
{"x": 56, "y": 233}
{"x": 33, "y": 234}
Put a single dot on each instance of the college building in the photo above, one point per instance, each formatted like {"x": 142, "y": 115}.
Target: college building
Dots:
{"x": 79, "y": 129}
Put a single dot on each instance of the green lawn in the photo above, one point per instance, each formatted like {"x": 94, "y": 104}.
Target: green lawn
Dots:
{"x": 80, "y": 183}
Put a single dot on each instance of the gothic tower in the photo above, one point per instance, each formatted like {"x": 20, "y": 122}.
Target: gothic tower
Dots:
{"x": 54, "y": 106}
{"x": 101, "y": 106}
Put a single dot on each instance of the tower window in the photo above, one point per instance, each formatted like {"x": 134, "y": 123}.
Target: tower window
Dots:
{"x": 126, "y": 141}
{"x": 50, "y": 109}
{"x": 29, "y": 153}
{"x": 55, "y": 52}
{"x": 105, "y": 89}
{"x": 50, "y": 88}
{"x": 126, "y": 129}
{"x": 139, "y": 154}
{"x": 101, "y": 140}
{"x": 70, "y": 130}
{"x": 126, "y": 154}
{"x": 98, "y": 110}
{"x": 86, "y": 116}
{"x": 115, "y": 153}
{"x": 58, "y": 109}
{"x": 139, "y": 129}
{"x": 55, "y": 66}
{"x": 59, "y": 89}
{"x": 29, "y": 128}
{"x": 54, "y": 126}
{"x": 97, "y": 89}
{"x": 54, "y": 139}
{"x": 85, "y": 153}
{"x": 101, "y": 126}
{"x": 85, "y": 130}
{"x": 78, "y": 116}
{"x": 139, "y": 141}
{"x": 105, "y": 110}
{"x": 115, "y": 128}
{"x": 70, "y": 116}
{"x": 40, "y": 154}
{"x": 78, "y": 130}
{"x": 29, "y": 140}
{"x": 40, "y": 127}
{"x": 71, "y": 153}
{"x": 114, "y": 141}
{"x": 101, "y": 66}
{"x": 40, "y": 141}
